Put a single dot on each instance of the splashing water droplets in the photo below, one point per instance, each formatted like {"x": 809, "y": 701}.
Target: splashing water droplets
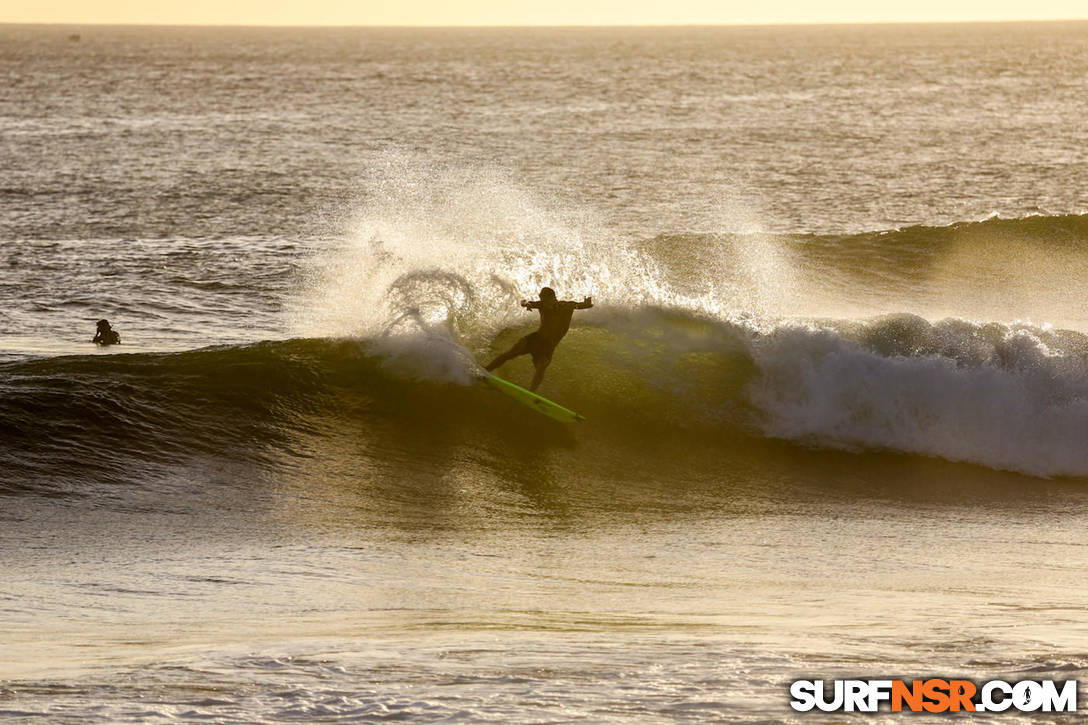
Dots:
{"x": 449, "y": 250}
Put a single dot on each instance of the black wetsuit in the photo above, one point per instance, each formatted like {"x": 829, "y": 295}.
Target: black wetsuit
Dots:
{"x": 106, "y": 337}
{"x": 554, "y": 323}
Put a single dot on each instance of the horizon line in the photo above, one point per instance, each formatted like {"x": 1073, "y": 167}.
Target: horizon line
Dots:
{"x": 821, "y": 23}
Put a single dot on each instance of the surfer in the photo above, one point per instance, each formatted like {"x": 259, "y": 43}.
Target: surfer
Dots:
{"x": 555, "y": 317}
{"x": 106, "y": 335}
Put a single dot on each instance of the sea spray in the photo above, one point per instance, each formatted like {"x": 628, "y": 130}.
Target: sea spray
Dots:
{"x": 459, "y": 246}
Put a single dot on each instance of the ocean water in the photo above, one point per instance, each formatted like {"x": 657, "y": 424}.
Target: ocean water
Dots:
{"x": 835, "y": 381}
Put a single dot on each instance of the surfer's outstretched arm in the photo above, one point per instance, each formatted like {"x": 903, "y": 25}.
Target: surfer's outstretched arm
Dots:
{"x": 585, "y": 304}
{"x": 530, "y": 304}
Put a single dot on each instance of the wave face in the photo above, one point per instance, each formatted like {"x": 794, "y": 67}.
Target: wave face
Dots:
{"x": 1010, "y": 397}
{"x": 116, "y": 418}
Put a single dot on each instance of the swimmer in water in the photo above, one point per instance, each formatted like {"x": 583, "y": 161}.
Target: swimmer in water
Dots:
{"x": 106, "y": 335}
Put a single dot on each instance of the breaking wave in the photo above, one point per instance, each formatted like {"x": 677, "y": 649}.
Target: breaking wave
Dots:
{"x": 1009, "y": 397}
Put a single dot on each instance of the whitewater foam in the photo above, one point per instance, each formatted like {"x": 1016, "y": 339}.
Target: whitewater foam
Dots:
{"x": 1015, "y": 403}
{"x": 425, "y": 355}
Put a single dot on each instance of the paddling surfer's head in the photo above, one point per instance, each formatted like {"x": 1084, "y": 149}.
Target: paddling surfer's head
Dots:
{"x": 547, "y": 294}
{"x": 105, "y": 335}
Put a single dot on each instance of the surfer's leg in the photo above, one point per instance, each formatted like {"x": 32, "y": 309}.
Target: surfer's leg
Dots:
{"x": 521, "y": 347}
{"x": 542, "y": 357}
{"x": 538, "y": 376}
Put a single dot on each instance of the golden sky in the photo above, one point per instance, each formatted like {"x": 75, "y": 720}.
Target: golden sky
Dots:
{"x": 528, "y": 12}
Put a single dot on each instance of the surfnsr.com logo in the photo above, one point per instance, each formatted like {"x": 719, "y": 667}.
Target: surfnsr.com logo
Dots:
{"x": 934, "y": 695}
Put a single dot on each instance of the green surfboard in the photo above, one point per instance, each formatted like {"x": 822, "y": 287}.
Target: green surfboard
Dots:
{"x": 539, "y": 403}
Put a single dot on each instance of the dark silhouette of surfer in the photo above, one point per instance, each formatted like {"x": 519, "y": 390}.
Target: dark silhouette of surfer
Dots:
{"x": 555, "y": 317}
{"x": 106, "y": 335}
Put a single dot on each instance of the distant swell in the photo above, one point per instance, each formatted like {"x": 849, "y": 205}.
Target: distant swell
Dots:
{"x": 1012, "y": 398}
{"x": 989, "y": 234}
{"x": 995, "y": 234}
